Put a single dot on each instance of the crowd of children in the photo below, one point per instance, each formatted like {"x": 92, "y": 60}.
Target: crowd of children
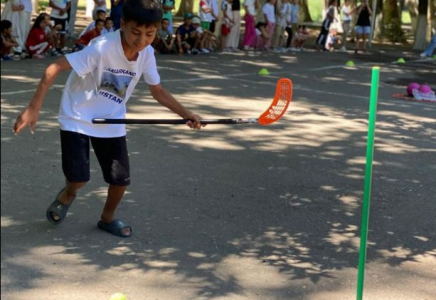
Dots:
{"x": 273, "y": 27}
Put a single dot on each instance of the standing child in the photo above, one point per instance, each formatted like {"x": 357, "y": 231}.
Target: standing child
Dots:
{"x": 325, "y": 27}
{"x": 347, "y": 12}
{"x": 295, "y": 12}
{"x": 285, "y": 22}
{"x": 250, "y": 24}
{"x": 227, "y": 24}
{"x": 103, "y": 78}
{"x": 270, "y": 19}
{"x": 363, "y": 26}
{"x": 37, "y": 43}
{"x": 8, "y": 41}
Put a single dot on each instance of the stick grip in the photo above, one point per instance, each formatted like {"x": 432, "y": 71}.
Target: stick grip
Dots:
{"x": 172, "y": 121}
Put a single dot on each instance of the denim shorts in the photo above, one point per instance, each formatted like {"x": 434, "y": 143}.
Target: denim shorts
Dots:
{"x": 363, "y": 29}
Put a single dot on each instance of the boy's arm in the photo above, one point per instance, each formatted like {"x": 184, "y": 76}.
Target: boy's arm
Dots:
{"x": 30, "y": 114}
{"x": 166, "y": 99}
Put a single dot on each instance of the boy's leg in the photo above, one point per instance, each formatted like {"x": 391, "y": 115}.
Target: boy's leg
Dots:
{"x": 113, "y": 157}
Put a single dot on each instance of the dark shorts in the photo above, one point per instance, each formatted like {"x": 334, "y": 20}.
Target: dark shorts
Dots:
{"x": 63, "y": 23}
{"x": 111, "y": 154}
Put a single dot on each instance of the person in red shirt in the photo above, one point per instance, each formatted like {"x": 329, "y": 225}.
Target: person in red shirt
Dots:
{"x": 84, "y": 40}
{"x": 37, "y": 43}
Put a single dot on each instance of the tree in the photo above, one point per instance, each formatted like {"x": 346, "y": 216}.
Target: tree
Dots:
{"x": 305, "y": 11}
{"x": 423, "y": 28}
{"x": 392, "y": 21}
{"x": 185, "y": 6}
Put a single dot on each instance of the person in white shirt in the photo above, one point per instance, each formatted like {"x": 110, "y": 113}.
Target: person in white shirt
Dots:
{"x": 215, "y": 15}
{"x": 205, "y": 14}
{"x": 270, "y": 19}
{"x": 101, "y": 14}
{"x": 98, "y": 6}
{"x": 59, "y": 15}
{"x": 103, "y": 78}
{"x": 347, "y": 13}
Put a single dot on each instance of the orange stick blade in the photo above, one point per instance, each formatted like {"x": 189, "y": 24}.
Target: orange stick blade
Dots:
{"x": 281, "y": 102}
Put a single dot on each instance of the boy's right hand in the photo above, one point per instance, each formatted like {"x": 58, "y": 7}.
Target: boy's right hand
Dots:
{"x": 28, "y": 117}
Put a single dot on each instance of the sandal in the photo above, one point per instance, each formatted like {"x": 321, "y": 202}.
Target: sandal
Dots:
{"x": 115, "y": 227}
{"x": 58, "y": 208}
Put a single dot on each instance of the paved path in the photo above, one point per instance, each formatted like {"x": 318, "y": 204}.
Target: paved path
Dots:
{"x": 233, "y": 212}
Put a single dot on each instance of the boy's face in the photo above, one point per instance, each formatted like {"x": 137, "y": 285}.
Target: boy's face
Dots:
{"x": 109, "y": 24}
{"x": 188, "y": 21}
{"x": 99, "y": 26}
{"x": 165, "y": 25}
{"x": 101, "y": 16}
{"x": 137, "y": 37}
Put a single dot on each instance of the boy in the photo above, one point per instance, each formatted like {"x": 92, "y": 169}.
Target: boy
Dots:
{"x": 59, "y": 15}
{"x": 164, "y": 42}
{"x": 206, "y": 40}
{"x": 103, "y": 78}
{"x": 108, "y": 25}
{"x": 101, "y": 15}
{"x": 185, "y": 36}
{"x": 85, "y": 39}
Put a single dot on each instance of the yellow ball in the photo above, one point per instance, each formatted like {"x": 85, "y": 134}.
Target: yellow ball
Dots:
{"x": 118, "y": 296}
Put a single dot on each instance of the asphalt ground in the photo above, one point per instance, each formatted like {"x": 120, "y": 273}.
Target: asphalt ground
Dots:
{"x": 233, "y": 212}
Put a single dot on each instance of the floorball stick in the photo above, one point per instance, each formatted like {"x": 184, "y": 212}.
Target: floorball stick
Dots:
{"x": 275, "y": 111}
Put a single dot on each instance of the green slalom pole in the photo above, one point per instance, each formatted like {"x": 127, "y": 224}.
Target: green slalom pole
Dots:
{"x": 368, "y": 179}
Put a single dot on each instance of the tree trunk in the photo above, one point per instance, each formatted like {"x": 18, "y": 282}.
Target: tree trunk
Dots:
{"x": 305, "y": 11}
{"x": 378, "y": 26}
{"x": 185, "y": 7}
{"x": 421, "y": 28}
{"x": 412, "y": 5}
{"x": 392, "y": 21}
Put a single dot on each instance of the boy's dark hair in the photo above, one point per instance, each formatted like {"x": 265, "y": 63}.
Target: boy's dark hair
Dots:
{"x": 143, "y": 12}
{"x": 108, "y": 19}
{"x": 165, "y": 19}
{"x": 44, "y": 14}
{"x": 38, "y": 21}
{"x": 5, "y": 24}
{"x": 100, "y": 11}
{"x": 98, "y": 21}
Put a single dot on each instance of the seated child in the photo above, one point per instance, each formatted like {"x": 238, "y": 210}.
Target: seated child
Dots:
{"x": 300, "y": 37}
{"x": 331, "y": 40}
{"x": 84, "y": 40}
{"x": 185, "y": 35}
{"x": 101, "y": 14}
{"x": 37, "y": 43}
{"x": 108, "y": 25}
{"x": 164, "y": 41}
{"x": 262, "y": 36}
{"x": 207, "y": 41}
{"x": 8, "y": 41}
{"x": 51, "y": 33}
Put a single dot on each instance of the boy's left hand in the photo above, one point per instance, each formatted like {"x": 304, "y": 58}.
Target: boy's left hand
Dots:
{"x": 195, "y": 123}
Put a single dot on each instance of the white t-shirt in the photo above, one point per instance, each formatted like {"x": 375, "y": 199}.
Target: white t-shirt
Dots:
{"x": 101, "y": 83}
{"x": 250, "y": 5}
{"x": 205, "y": 17}
{"x": 286, "y": 15}
{"x": 268, "y": 10}
{"x": 61, "y": 4}
{"x": 346, "y": 10}
{"x": 295, "y": 10}
{"x": 214, "y": 6}
{"x": 27, "y": 5}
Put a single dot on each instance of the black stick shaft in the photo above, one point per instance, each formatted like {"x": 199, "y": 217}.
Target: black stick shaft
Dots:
{"x": 173, "y": 121}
